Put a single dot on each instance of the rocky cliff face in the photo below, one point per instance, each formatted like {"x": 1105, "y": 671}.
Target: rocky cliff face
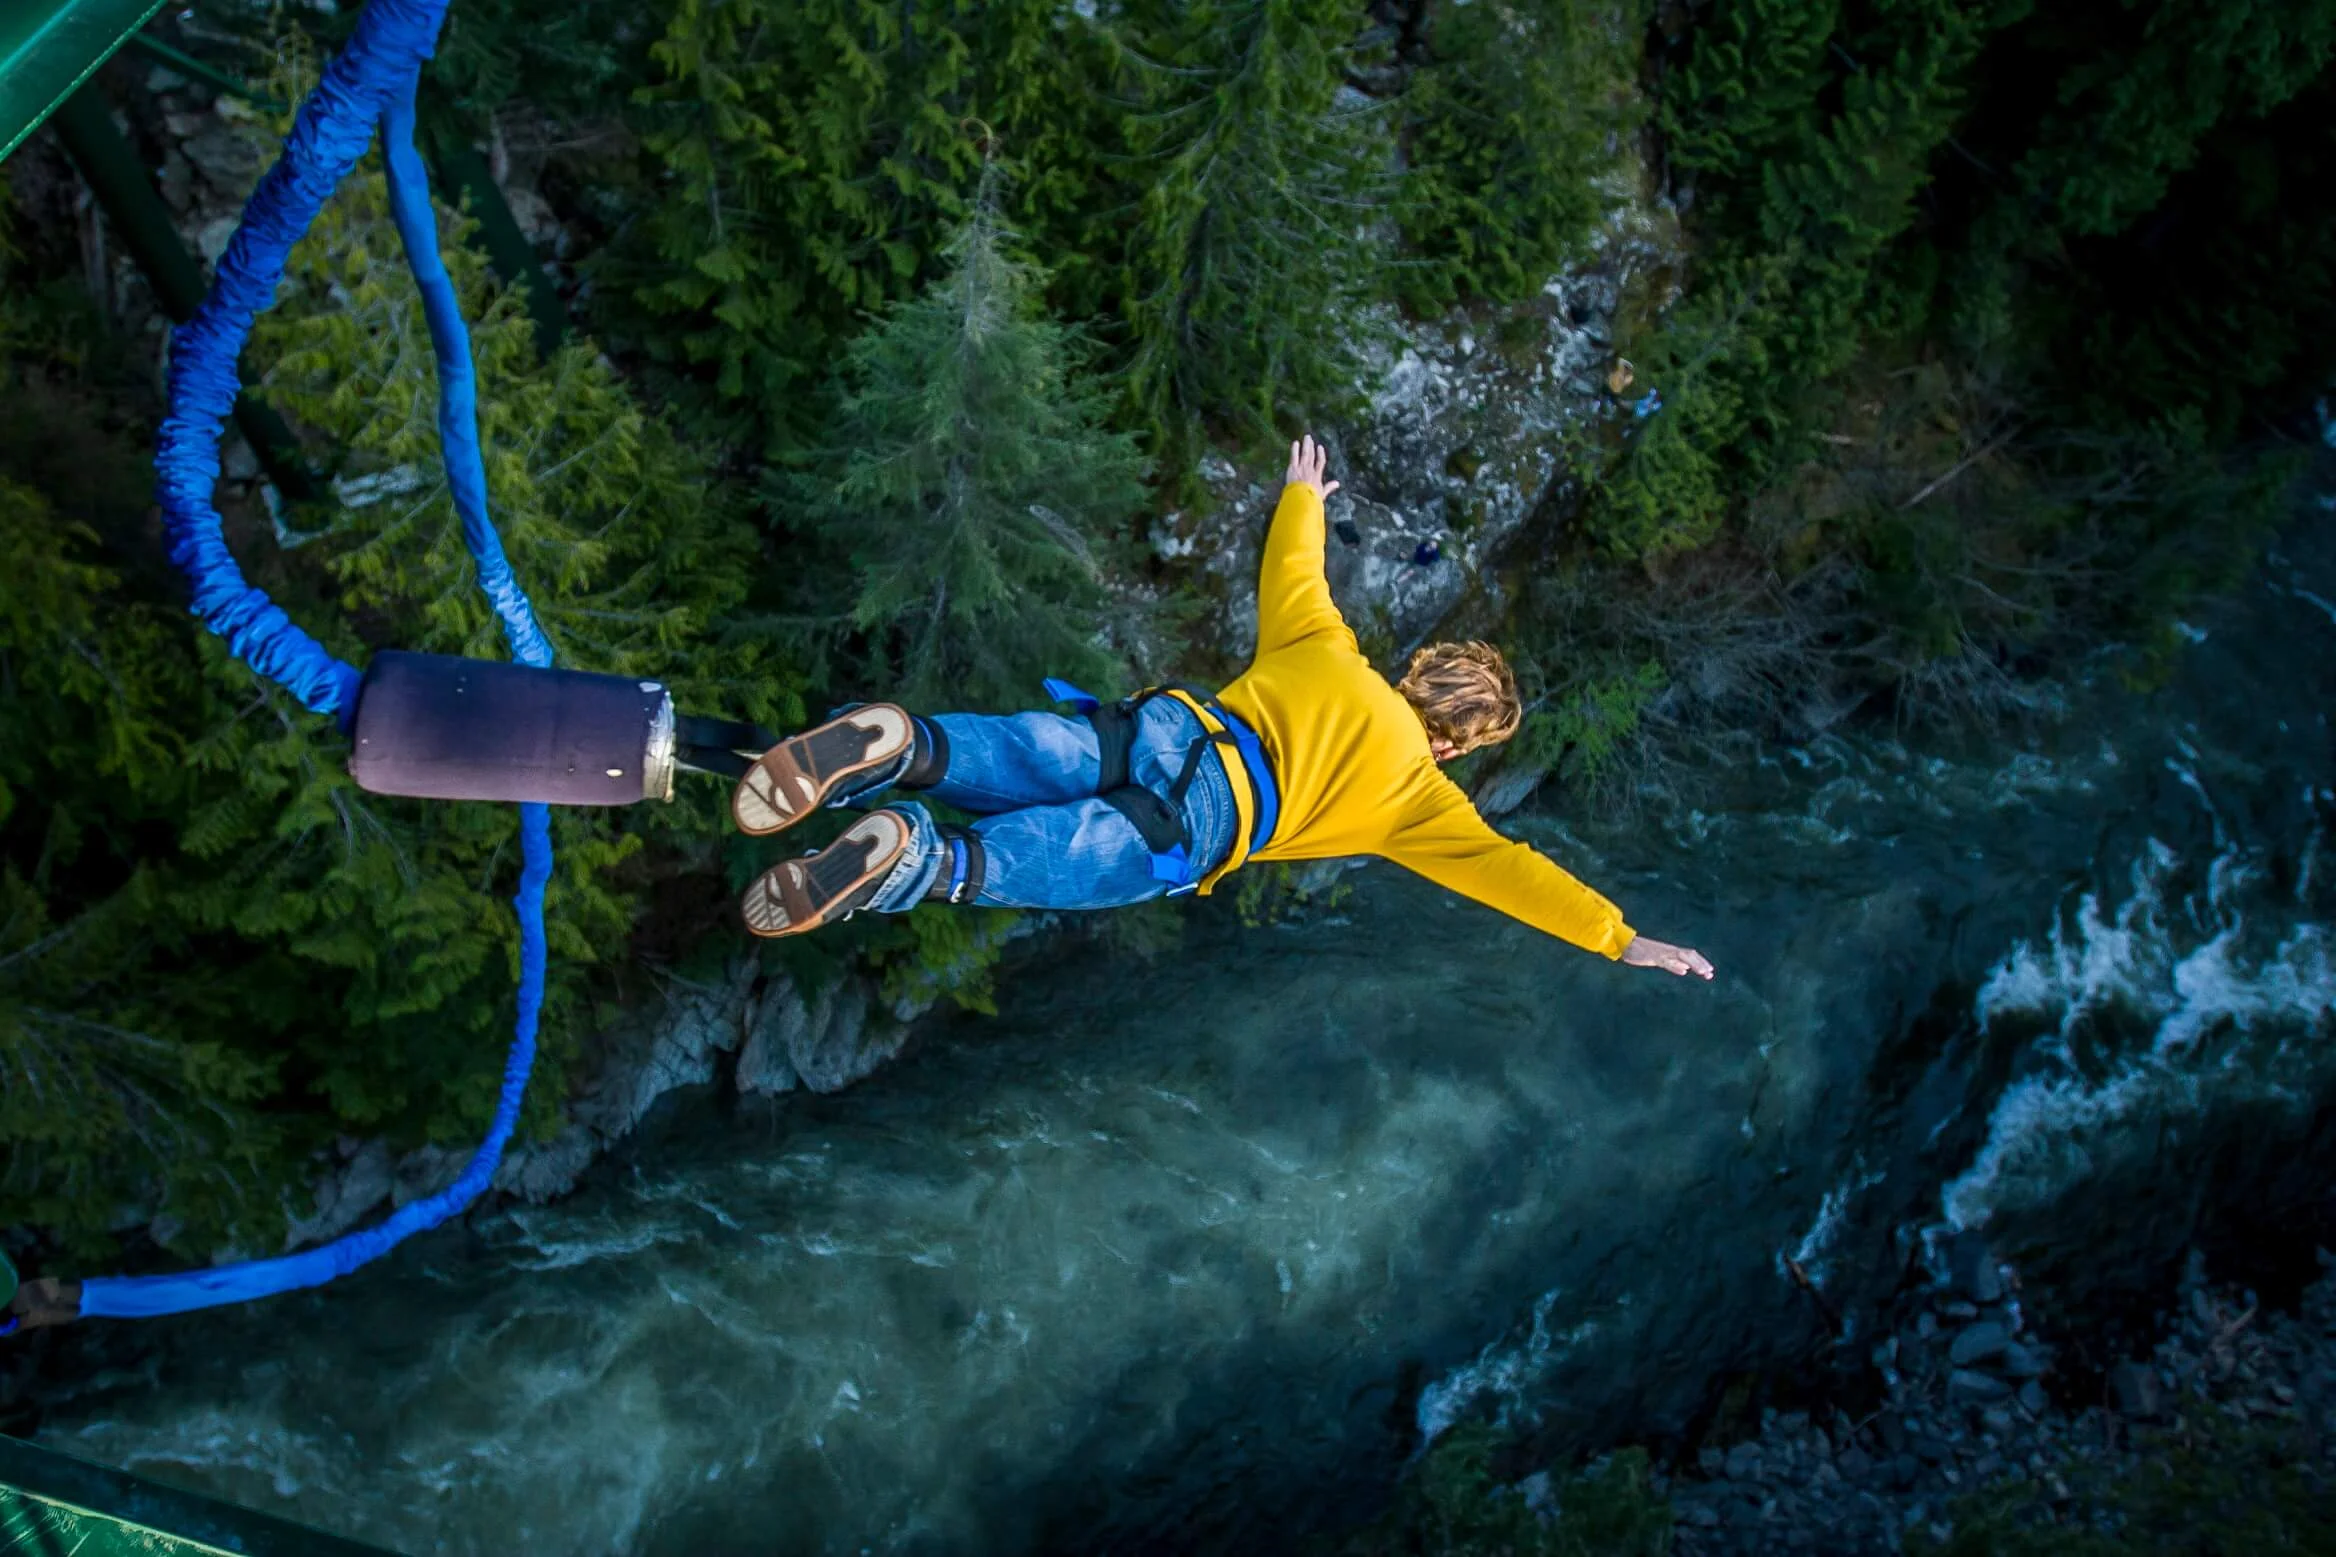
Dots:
{"x": 1978, "y": 1413}
{"x": 1462, "y": 442}
{"x": 758, "y": 1032}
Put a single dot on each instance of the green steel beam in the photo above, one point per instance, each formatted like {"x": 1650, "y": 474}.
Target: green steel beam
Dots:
{"x": 457, "y": 162}
{"x": 48, "y": 51}
{"x": 195, "y": 70}
{"x": 54, "y": 1503}
{"x": 49, "y": 47}
{"x": 136, "y": 214}
{"x": 45, "y": 42}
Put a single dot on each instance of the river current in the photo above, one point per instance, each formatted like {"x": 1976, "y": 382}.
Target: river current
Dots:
{"x": 1193, "y": 1253}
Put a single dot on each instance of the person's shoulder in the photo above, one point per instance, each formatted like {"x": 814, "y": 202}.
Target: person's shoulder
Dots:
{"x": 1328, "y": 653}
{"x": 1418, "y": 780}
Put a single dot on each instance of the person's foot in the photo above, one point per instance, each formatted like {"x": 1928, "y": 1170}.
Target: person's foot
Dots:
{"x": 798, "y": 895}
{"x": 795, "y": 777}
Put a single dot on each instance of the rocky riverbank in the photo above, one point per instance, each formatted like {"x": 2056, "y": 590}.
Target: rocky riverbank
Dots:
{"x": 1983, "y": 1439}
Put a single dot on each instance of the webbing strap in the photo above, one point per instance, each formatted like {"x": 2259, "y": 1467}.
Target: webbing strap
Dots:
{"x": 1259, "y": 770}
{"x": 968, "y": 867}
{"x": 1153, "y": 818}
{"x": 928, "y": 761}
{"x": 1249, "y": 787}
{"x": 1256, "y": 800}
{"x": 1115, "y": 741}
{"x": 1063, "y": 692}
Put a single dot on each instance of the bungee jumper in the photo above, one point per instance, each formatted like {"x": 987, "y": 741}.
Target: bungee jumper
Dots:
{"x": 1310, "y": 754}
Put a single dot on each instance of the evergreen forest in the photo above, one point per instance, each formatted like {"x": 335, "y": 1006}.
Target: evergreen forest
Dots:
{"x": 869, "y": 346}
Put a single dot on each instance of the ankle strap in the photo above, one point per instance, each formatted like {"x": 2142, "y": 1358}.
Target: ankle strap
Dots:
{"x": 959, "y": 880}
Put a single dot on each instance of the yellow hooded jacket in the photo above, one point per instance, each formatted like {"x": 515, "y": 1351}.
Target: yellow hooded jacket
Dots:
{"x": 1351, "y": 761}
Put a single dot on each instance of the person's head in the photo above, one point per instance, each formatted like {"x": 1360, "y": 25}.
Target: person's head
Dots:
{"x": 1464, "y": 694}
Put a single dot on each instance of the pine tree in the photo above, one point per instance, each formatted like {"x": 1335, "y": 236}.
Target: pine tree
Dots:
{"x": 1816, "y": 146}
{"x": 2126, "y": 117}
{"x": 1748, "y": 91}
{"x": 1250, "y": 250}
{"x": 132, "y": 1069}
{"x": 1506, "y": 130}
{"x": 814, "y": 155}
{"x": 110, "y": 1096}
{"x": 630, "y": 551}
{"x": 562, "y": 58}
{"x": 974, "y": 486}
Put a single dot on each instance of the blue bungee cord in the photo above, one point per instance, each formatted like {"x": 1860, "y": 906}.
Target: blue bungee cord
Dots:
{"x": 372, "y": 82}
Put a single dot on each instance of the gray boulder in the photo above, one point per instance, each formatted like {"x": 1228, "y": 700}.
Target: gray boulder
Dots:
{"x": 2134, "y": 1391}
{"x": 1968, "y": 1386}
{"x": 344, "y": 1196}
{"x": 543, "y": 1172}
{"x": 1972, "y": 1266}
{"x": 676, "y": 1047}
{"x": 1977, "y": 1343}
{"x": 2024, "y": 1362}
{"x": 829, "y": 1041}
{"x": 763, "y": 1069}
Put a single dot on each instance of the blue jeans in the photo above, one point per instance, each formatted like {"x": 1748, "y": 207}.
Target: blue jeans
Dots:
{"x": 1048, "y": 842}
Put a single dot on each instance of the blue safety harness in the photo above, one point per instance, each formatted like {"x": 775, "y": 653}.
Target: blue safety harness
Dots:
{"x": 1160, "y": 819}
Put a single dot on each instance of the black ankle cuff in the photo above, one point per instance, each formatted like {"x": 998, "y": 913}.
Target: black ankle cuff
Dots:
{"x": 963, "y": 867}
{"x": 928, "y": 761}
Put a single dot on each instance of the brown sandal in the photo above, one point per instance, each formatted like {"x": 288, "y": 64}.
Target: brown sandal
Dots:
{"x": 838, "y": 881}
{"x": 795, "y": 777}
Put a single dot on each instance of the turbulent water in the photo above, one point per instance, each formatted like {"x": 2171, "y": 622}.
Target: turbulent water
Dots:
{"x": 1191, "y": 1254}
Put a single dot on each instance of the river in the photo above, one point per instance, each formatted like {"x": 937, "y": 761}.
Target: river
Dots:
{"x": 1191, "y": 1254}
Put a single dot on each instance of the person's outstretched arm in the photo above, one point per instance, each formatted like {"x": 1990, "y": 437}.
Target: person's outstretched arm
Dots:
{"x": 1451, "y": 845}
{"x": 1293, "y": 594}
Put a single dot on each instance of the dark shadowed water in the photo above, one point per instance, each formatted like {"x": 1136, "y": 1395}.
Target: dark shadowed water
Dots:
{"x": 1191, "y": 1254}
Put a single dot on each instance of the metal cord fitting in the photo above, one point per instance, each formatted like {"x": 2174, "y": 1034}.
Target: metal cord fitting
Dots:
{"x": 657, "y": 759}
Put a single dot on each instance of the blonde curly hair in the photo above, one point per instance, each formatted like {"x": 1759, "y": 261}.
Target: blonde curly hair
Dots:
{"x": 1464, "y": 693}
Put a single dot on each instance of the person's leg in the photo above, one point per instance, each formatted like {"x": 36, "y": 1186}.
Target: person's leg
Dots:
{"x": 1083, "y": 854}
{"x": 1080, "y": 855}
{"x": 858, "y": 870}
{"x": 976, "y": 762}
{"x": 1077, "y": 854}
{"x": 988, "y": 763}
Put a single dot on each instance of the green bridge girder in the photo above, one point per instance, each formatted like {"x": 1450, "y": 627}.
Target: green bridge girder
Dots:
{"x": 53, "y": 1505}
{"x": 48, "y": 51}
{"x": 49, "y": 47}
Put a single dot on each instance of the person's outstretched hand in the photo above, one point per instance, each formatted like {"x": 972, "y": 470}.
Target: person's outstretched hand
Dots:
{"x": 1645, "y": 953}
{"x": 1307, "y": 459}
